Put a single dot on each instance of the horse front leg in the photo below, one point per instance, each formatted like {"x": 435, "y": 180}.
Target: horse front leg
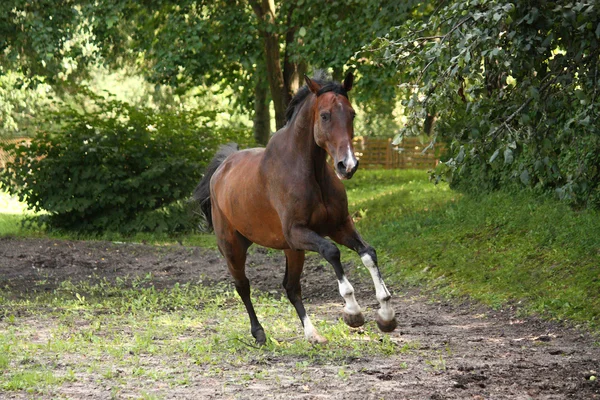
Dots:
{"x": 302, "y": 238}
{"x": 294, "y": 263}
{"x": 349, "y": 237}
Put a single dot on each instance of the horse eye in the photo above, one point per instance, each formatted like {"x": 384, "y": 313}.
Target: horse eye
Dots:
{"x": 325, "y": 117}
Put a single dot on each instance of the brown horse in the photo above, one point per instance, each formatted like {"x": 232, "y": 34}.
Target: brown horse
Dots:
{"x": 286, "y": 196}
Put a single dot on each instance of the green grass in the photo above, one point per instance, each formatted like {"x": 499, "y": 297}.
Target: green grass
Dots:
{"x": 119, "y": 332}
{"x": 502, "y": 248}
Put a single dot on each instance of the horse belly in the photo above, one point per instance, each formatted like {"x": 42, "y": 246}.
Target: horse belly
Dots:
{"x": 260, "y": 224}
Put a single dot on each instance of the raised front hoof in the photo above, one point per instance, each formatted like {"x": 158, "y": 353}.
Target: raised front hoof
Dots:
{"x": 260, "y": 337}
{"x": 386, "y": 326}
{"x": 317, "y": 339}
{"x": 353, "y": 320}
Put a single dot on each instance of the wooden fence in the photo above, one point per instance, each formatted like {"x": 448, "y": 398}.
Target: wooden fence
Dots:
{"x": 380, "y": 153}
{"x": 373, "y": 153}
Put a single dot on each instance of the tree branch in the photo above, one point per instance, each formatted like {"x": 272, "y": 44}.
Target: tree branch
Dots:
{"x": 505, "y": 123}
{"x": 442, "y": 41}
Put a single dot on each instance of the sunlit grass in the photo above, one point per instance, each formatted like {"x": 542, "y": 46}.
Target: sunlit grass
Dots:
{"x": 501, "y": 248}
{"x": 102, "y": 328}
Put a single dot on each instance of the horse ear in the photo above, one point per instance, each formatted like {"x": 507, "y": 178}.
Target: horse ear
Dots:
{"x": 348, "y": 81}
{"x": 312, "y": 85}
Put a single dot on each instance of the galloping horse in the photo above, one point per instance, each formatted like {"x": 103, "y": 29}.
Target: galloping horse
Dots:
{"x": 286, "y": 196}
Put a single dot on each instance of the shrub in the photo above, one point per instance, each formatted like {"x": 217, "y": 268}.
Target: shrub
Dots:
{"x": 117, "y": 168}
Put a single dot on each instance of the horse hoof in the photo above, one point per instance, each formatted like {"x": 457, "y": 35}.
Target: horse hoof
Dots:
{"x": 386, "y": 326}
{"x": 317, "y": 339}
{"x": 353, "y": 320}
{"x": 260, "y": 337}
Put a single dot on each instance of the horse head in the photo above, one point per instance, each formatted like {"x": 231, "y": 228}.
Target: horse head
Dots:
{"x": 333, "y": 118}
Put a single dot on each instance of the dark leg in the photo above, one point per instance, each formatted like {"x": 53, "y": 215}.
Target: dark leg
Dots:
{"x": 304, "y": 239}
{"x": 349, "y": 237}
{"x": 294, "y": 262}
{"x": 233, "y": 246}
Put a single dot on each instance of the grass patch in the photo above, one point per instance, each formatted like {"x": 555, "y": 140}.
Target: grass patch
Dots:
{"x": 503, "y": 248}
{"x": 499, "y": 248}
{"x": 119, "y": 332}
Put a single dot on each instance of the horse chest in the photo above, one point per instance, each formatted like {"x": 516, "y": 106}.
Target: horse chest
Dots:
{"x": 326, "y": 218}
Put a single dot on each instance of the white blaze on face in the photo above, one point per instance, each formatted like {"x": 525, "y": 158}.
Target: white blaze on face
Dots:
{"x": 347, "y": 292}
{"x": 350, "y": 160}
{"x": 386, "y": 312}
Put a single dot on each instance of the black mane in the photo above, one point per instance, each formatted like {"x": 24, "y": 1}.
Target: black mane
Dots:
{"x": 304, "y": 91}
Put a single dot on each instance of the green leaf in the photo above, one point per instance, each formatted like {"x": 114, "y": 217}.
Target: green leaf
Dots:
{"x": 508, "y": 156}
{"x": 494, "y": 156}
{"x": 525, "y": 177}
{"x": 302, "y": 32}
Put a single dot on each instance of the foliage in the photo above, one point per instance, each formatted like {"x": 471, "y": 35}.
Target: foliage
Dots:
{"x": 513, "y": 87}
{"x": 207, "y": 34}
{"x": 52, "y": 39}
{"x": 189, "y": 43}
{"x": 21, "y": 98}
{"x": 115, "y": 167}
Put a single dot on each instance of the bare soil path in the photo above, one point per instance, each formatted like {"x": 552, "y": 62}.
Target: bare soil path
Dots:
{"x": 464, "y": 351}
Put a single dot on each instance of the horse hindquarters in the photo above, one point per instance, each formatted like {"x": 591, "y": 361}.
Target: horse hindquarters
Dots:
{"x": 202, "y": 191}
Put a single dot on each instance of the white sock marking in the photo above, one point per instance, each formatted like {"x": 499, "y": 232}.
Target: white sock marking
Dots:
{"x": 309, "y": 329}
{"x": 386, "y": 312}
{"x": 347, "y": 292}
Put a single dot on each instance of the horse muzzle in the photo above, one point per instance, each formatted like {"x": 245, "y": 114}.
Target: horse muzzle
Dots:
{"x": 346, "y": 168}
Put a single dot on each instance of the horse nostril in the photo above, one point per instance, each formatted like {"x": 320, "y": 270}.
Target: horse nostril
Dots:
{"x": 341, "y": 166}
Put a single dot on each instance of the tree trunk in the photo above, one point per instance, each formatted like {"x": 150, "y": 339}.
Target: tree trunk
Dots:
{"x": 262, "y": 117}
{"x": 265, "y": 12}
{"x": 292, "y": 71}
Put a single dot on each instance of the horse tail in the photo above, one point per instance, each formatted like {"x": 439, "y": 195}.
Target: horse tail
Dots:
{"x": 201, "y": 194}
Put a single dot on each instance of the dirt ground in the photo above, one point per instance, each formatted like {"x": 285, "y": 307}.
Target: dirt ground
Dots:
{"x": 486, "y": 354}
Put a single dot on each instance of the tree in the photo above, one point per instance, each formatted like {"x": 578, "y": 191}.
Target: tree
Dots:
{"x": 241, "y": 43}
{"x": 514, "y": 88}
{"x": 233, "y": 43}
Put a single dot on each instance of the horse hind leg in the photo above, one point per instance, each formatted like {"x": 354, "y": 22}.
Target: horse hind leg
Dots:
{"x": 234, "y": 246}
{"x": 294, "y": 263}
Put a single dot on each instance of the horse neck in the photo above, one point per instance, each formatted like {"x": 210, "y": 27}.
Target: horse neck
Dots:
{"x": 312, "y": 155}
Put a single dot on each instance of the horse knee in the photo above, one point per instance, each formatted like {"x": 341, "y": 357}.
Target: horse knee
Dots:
{"x": 331, "y": 253}
{"x": 293, "y": 292}
{"x": 369, "y": 255}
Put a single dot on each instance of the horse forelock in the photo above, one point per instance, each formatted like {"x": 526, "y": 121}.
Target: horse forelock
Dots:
{"x": 302, "y": 94}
